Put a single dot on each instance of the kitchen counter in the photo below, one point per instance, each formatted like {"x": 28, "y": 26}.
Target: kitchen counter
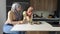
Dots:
{"x": 41, "y": 27}
{"x": 47, "y": 19}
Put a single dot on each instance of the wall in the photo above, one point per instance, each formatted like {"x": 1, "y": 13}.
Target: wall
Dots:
{"x": 2, "y": 14}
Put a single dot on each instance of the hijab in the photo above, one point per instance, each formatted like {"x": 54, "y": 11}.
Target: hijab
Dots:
{"x": 18, "y": 14}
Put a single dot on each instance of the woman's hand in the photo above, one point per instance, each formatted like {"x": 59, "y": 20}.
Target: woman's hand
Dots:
{"x": 20, "y": 22}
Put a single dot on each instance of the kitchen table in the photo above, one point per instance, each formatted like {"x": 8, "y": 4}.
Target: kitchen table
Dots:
{"x": 41, "y": 27}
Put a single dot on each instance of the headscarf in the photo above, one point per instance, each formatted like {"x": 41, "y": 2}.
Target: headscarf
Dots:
{"x": 18, "y": 14}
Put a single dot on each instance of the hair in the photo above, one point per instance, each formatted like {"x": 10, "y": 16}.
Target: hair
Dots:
{"x": 30, "y": 8}
{"x": 15, "y": 5}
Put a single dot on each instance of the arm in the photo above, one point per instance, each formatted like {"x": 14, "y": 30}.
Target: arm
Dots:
{"x": 24, "y": 15}
{"x": 10, "y": 19}
{"x": 26, "y": 18}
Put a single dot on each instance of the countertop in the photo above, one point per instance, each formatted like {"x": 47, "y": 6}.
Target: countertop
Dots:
{"x": 46, "y": 19}
{"x": 41, "y": 27}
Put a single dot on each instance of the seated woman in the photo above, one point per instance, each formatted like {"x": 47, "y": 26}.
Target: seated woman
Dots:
{"x": 15, "y": 16}
{"x": 28, "y": 14}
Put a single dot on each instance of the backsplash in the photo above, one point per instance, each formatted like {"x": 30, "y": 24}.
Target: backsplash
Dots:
{"x": 45, "y": 13}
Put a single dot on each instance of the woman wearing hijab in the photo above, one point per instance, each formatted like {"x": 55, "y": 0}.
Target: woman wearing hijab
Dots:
{"x": 15, "y": 16}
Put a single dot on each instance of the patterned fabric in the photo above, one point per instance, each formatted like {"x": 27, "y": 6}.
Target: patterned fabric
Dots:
{"x": 18, "y": 15}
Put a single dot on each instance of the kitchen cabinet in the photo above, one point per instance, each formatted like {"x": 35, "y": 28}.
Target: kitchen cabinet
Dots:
{"x": 45, "y": 5}
{"x": 37, "y": 32}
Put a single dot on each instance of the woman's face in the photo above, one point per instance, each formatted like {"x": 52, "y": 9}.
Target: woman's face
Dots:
{"x": 29, "y": 11}
{"x": 19, "y": 8}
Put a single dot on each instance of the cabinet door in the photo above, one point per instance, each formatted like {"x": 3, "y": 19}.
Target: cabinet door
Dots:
{"x": 37, "y": 32}
{"x": 37, "y": 4}
{"x": 44, "y": 5}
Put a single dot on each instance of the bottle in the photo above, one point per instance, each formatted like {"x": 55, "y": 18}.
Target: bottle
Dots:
{"x": 41, "y": 15}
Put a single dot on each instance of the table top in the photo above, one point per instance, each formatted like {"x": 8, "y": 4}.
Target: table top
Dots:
{"x": 41, "y": 27}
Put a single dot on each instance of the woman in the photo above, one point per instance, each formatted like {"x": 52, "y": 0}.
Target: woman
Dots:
{"x": 28, "y": 14}
{"x": 15, "y": 16}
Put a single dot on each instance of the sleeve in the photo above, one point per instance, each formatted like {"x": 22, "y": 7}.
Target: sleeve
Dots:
{"x": 24, "y": 13}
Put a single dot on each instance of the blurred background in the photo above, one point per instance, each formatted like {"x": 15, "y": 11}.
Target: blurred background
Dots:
{"x": 42, "y": 9}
